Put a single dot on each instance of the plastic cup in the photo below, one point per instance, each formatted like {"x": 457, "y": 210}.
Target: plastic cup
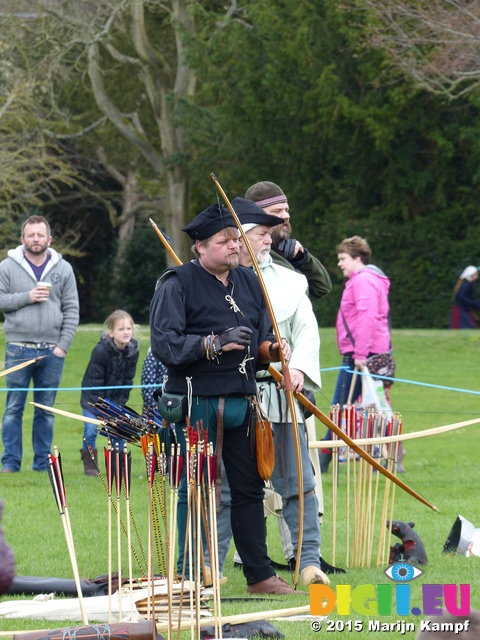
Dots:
{"x": 46, "y": 286}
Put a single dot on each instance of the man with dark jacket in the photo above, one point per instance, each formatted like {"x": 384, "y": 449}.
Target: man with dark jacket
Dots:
{"x": 209, "y": 326}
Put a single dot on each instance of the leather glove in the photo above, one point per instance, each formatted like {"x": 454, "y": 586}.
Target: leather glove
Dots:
{"x": 266, "y": 353}
{"x": 241, "y": 335}
{"x": 287, "y": 248}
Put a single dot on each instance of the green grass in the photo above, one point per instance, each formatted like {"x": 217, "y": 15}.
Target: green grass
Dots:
{"x": 444, "y": 469}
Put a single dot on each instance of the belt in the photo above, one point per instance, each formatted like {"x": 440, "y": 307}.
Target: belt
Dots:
{"x": 35, "y": 345}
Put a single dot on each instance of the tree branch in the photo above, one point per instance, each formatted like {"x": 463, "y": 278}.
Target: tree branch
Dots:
{"x": 114, "y": 115}
{"x": 436, "y": 42}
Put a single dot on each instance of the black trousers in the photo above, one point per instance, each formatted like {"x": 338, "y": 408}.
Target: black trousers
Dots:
{"x": 246, "y": 485}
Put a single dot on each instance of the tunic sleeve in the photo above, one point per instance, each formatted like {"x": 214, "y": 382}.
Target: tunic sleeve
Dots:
{"x": 168, "y": 340}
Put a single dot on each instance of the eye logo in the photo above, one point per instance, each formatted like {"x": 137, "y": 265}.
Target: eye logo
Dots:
{"x": 403, "y": 572}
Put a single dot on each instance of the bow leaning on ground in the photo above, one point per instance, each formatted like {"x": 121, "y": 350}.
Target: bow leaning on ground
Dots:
{"x": 286, "y": 376}
{"x": 352, "y": 443}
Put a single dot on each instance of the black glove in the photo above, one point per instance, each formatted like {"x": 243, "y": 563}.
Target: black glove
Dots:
{"x": 241, "y": 335}
{"x": 286, "y": 248}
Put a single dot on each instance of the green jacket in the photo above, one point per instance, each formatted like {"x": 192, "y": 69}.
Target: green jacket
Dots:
{"x": 319, "y": 282}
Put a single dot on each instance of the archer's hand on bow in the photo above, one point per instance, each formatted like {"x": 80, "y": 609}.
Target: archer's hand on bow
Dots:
{"x": 268, "y": 351}
{"x": 298, "y": 378}
{"x": 233, "y": 339}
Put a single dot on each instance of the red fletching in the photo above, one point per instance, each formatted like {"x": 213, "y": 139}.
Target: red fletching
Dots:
{"x": 108, "y": 469}
{"x": 212, "y": 463}
{"x": 118, "y": 471}
{"x": 59, "y": 475}
{"x": 178, "y": 471}
{"x": 54, "y": 481}
{"x": 192, "y": 436}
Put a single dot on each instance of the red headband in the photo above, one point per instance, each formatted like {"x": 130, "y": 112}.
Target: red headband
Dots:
{"x": 269, "y": 201}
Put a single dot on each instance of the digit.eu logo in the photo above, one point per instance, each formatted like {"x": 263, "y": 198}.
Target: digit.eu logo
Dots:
{"x": 373, "y": 600}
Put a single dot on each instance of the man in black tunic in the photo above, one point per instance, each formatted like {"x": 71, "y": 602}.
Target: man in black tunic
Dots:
{"x": 210, "y": 327}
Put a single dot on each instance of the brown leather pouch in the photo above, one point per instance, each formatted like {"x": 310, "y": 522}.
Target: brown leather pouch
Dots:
{"x": 263, "y": 440}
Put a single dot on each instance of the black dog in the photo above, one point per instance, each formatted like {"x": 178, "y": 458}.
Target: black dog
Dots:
{"x": 411, "y": 549}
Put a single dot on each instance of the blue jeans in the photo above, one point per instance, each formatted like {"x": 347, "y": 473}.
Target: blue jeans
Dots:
{"x": 90, "y": 432}
{"x": 342, "y": 387}
{"x": 46, "y": 374}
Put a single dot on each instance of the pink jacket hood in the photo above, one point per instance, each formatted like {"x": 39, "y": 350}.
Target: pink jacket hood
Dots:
{"x": 366, "y": 312}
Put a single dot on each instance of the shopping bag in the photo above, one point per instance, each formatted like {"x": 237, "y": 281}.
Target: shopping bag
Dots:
{"x": 373, "y": 394}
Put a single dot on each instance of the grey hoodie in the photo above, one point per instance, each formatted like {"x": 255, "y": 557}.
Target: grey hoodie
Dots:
{"x": 54, "y": 320}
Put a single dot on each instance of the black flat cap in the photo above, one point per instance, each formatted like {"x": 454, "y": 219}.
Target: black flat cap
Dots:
{"x": 214, "y": 218}
{"x": 250, "y": 213}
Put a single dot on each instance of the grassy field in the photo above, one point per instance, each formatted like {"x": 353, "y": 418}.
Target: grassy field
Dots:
{"x": 435, "y": 371}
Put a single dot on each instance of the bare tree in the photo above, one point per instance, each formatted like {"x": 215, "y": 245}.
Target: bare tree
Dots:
{"x": 434, "y": 42}
{"x": 33, "y": 169}
{"x": 108, "y": 43}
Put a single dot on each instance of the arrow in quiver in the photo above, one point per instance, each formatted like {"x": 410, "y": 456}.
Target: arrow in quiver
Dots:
{"x": 124, "y": 423}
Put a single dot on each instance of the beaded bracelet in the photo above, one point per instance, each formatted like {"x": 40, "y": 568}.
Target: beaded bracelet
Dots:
{"x": 216, "y": 352}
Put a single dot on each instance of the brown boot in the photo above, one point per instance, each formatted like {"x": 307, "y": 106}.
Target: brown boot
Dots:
{"x": 88, "y": 464}
{"x": 275, "y": 585}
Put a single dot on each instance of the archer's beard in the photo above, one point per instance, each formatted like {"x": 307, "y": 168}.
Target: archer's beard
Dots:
{"x": 233, "y": 261}
{"x": 262, "y": 256}
{"x": 281, "y": 232}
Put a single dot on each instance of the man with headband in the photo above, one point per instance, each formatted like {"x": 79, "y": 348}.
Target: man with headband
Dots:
{"x": 286, "y": 251}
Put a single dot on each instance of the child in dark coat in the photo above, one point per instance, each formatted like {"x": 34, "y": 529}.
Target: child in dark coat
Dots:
{"x": 112, "y": 364}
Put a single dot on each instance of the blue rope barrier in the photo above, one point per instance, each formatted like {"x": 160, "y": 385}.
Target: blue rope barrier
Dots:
{"x": 348, "y": 369}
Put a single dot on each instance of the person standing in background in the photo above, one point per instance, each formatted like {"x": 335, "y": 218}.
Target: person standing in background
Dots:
{"x": 112, "y": 364}
{"x": 153, "y": 372}
{"x": 39, "y": 299}
{"x": 363, "y": 321}
{"x": 465, "y": 305}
